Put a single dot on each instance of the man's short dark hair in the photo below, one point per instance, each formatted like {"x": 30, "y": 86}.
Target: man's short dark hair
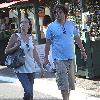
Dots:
{"x": 46, "y": 20}
{"x": 62, "y": 7}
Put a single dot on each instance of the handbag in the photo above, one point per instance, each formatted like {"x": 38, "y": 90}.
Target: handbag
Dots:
{"x": 15, "y": 59}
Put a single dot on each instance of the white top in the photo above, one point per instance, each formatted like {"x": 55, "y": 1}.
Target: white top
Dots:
{"x": 29, "y": 66}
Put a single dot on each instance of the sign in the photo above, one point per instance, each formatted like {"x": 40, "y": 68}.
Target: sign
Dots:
{"x": 41, "y": 51}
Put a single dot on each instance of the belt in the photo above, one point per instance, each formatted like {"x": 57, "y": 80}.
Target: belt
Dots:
{"x": 63, "y": 60}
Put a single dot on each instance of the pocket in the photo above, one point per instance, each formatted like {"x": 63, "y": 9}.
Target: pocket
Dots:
{"x": 60, "y": 67}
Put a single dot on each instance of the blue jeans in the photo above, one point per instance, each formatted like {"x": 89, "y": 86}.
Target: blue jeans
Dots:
{"x": 27, "y": 81}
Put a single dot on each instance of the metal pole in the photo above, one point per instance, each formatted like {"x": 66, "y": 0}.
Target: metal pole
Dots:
{"x": 36, "y": 6}
{"x": 19, "y": 18}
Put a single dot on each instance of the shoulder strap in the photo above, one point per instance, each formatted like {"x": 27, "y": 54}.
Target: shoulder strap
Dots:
{"x": 18, "y": 35}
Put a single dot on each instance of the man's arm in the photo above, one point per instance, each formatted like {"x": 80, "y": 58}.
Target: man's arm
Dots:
{"x": 80, "y": 45}
{"x": 47, "y": 49}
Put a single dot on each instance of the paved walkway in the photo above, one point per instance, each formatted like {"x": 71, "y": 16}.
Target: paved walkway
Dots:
{"x": 46, "y": 87}
{"x": 11, "y": 87}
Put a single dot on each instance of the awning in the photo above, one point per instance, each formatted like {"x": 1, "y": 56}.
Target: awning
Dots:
{"x": 5, "y": 5}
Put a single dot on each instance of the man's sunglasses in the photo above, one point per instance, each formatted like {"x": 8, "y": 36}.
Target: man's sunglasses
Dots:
{"x": 64, "y": 31}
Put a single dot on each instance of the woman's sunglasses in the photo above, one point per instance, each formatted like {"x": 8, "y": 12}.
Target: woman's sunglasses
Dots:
{"x": 27, "y": 45}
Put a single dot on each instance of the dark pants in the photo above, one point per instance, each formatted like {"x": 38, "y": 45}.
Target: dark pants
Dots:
{"x": 27, "y": 81}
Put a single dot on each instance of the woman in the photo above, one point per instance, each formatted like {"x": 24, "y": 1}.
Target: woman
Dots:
{"x": 26, "y": 72}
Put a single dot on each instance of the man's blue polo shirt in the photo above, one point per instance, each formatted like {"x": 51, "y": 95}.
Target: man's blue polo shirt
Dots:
{"x": 62, "y": 39}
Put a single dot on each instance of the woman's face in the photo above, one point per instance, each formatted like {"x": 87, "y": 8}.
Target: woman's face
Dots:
{"x": 24, "y": 25}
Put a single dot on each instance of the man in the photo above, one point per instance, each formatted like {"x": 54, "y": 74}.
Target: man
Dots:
{"x": 61, "y": 35}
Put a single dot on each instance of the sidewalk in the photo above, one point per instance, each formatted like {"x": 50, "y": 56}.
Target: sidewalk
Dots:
{"x": 45, "y": 88}
{"x": 49, "y": 87}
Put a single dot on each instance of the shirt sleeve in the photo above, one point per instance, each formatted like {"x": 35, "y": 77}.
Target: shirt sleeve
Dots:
{"x": 48, "y": 33}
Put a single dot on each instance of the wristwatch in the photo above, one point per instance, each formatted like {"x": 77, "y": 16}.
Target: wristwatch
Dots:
{"x": 82, "y": 50}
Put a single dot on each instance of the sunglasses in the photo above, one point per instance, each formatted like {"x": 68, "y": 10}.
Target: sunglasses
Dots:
{"x": 27, "y": 45}
{"x": 64, "y": 31}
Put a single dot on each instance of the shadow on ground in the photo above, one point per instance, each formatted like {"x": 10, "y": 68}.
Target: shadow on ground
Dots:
{"x": 4, "y": 71}
{"x": 7, "y": 75}
{"x": 97, "y": 96}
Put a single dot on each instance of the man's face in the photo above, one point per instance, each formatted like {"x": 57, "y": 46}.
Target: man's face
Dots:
{"x": 59, "y": 14}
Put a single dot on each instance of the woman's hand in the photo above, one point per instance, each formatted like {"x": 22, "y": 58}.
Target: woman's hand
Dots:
{"x": 42, "y": 73}
{"x": 41, "y": 70}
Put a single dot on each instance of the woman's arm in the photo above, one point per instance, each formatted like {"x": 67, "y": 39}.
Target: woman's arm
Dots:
{"x": 36, "y": 57}
{"x": 12, "y": 44}
{"x": 35, "y": 54}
